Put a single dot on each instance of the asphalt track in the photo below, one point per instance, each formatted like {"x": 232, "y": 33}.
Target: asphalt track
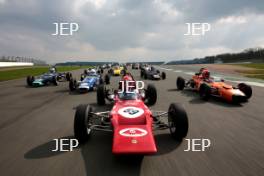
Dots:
{"x": 32, "y": 117}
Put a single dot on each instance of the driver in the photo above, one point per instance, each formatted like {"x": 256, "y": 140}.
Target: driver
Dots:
{"x": 53, "y": 70}
{"x": 206, "y": 75}
{"x": 127, "y": 77}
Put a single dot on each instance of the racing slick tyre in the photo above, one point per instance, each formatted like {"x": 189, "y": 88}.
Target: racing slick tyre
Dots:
{"x": 123, "y": 72}
{"x": 107, "y": 79}
{"x": 178, "y": 121}
{"x": 81, "y": 122}
{"x": 204, "y": 92}
{"x": 246, "y": 89}
{"x": 85, "y": 72}
{"x": 163, "y": 75}
{"x": 145, "y": 76}
{"x": 141, "y": 73}
{"x": 100, "y": 95}
{"x": 30, "y": 80}
{"x": 111, "y": 71}
{"x": 82, "y": 77}
{"x": 72, "y": 85}
{"x": 180, "y": 83}
{"x": 151, "y": 94}
{"x": 68, "y": 76}
{"x": 54, "y": 81}
{"x": 102, "y": 71}
{"x": 101, "y": 81}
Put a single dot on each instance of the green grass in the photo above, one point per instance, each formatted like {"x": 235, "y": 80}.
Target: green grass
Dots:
{"x": 21, "y": 73}
{"x": 256, "y": 72}
{"x": 255, "y": 65}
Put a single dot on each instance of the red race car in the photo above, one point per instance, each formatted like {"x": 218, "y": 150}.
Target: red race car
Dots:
{"x": 130, "y": 120}
{"x": 207, "y": 86}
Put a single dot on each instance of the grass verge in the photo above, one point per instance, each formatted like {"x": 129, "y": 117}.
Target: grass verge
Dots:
{"x": 23, "y": 72}
{"x": 257, "y": 70}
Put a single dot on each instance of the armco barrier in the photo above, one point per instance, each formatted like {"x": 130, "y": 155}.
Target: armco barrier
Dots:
{"x": 15, "y": 64}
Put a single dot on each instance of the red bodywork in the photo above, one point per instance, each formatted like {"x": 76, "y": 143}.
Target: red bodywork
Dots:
{"x": 132, "y": 135}
{"x": 132, "y": 126}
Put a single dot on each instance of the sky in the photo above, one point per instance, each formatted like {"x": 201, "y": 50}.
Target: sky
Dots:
{"x": 128, "y": 30}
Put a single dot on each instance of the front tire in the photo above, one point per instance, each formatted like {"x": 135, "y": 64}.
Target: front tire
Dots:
{"x": 163, "y": 75}
{"x": 81, "y": 123}
{"x": 178, "y": 121}
{"x": 180, "y": 83}
{"x": 151, "y": 94}
{"x": 100, "y": 95}
{"x": 246, "y": 89}
{"x": 205, "y": 92}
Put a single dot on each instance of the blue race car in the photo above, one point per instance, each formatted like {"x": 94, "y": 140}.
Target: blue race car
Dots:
{"x": 87, "y": 83}
{"x": 42, "y": 80}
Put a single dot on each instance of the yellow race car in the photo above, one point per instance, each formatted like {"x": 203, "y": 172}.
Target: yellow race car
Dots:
{"x": 117, "y": 71}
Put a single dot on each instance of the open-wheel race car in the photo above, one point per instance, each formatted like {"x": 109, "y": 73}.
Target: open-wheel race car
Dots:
{"x": 65, "y": 76}
{"x": 88, "y": 82}
{"x": 150, "y": 72}
{"x": 130, "y": 120}
{"x": 117, "y": 70}
{"x": 207, "y": 87}
{"x": 49, "y": 78}
{"x": 42, "y": 80}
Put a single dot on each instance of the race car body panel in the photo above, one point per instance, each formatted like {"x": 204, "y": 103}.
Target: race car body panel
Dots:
{"x": 88, "y": 83}
{"x": 43, "y": 80}
{"x": 219, "y": 89}
{"x": 38, "y": 82}
{"x": 132, "y": 125}
{"x": 117, "y": 72}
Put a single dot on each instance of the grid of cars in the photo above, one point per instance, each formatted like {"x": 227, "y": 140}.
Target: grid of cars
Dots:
{"x": 130, "y": 119}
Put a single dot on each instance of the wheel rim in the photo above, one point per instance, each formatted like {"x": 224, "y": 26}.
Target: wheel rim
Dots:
{"x": 172, "y": 127}
{"x": 88, "y": 130}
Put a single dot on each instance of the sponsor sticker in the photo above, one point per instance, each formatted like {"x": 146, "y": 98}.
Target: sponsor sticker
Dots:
{"x": 130, "y": 112}
{"x": 133, "y": 132}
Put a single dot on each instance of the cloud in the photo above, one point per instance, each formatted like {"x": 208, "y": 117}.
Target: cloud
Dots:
{"x": 123, "y": 29}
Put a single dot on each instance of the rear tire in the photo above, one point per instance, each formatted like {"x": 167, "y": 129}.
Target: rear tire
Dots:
{"x": 107, "y": 79}
{"x": 151, "y": 94}
{"x": 163, "y": 75}
{"x": 54, "y": 81}
{"x": 30, "y": 80}
{"x": 81, "y": 122}
{"x": 178, "y": 121}
{"x": 246, "y": 89}
{"x": 68, "y": 76}
{"x": 205, "y": 92}
{"x": 100, "y": 95}
{"x": 180, "y": 83}
{"x": 72, "y": 85}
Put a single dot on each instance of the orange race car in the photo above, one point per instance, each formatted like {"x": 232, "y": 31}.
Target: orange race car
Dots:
{"x": 207, "y": 86}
